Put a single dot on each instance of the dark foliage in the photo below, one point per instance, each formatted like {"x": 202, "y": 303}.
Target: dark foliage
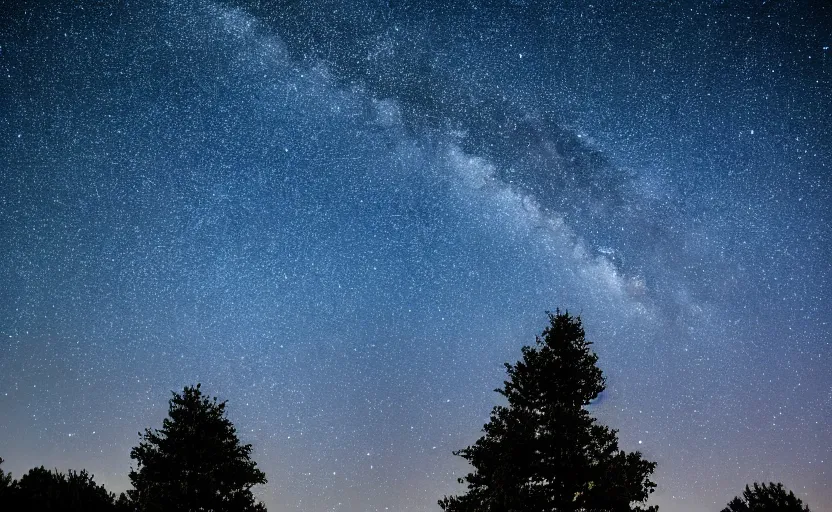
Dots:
{"x": 543, "y": 451}
{"x": 48, "y": 491}
{"x": 7, "y": 485}
{"x": 766, "y": 498}
{"x": 195, "y": 462}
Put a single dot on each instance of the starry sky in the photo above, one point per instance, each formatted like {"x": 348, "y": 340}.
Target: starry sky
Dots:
{"x": 345, "y": 216}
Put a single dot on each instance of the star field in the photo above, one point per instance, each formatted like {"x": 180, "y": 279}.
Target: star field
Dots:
{"x": 344, "y": 217}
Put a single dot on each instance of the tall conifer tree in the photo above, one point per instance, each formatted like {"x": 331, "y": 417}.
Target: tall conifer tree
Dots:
{"x": 195, "y": 463}
{"x": 542, "y": 451}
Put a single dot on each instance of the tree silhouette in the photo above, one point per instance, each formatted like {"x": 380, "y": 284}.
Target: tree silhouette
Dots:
{"x": 543, "y": 451}
{"x": 7, "y": 487}
{"x": 44, "y": 490}
{"x": 766, "y": 498}
{"x": 195, "y": 462}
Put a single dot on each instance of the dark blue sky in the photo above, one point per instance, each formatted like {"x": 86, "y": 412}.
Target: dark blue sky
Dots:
{"x": 343, "y": 217}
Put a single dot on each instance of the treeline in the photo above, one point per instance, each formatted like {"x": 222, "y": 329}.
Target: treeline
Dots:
{"x": 542, "y": 451}
{"x": 50, "y": 490}
{"x": 194, "y": 463}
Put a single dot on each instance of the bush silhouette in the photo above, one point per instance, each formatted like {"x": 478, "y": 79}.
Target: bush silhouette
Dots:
{"x": 766, "y": 498}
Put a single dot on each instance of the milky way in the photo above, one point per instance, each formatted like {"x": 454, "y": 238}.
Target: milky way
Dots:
{"x": 343, "y": 217}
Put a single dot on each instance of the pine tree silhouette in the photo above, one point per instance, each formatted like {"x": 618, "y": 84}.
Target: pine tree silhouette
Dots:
{"x": 543, "y": 451}
{"x": 195, "y": 462}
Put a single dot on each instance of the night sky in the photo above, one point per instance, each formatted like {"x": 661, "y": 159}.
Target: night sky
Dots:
{"x": 344, "y": 217}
